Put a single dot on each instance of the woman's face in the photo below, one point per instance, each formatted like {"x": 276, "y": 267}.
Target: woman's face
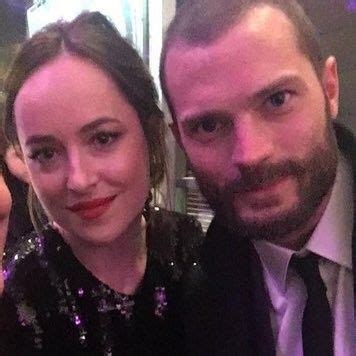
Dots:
{"x": 84, "y": 149}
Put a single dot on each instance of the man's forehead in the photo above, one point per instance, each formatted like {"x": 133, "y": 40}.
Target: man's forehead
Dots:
{"x": 261, "y": 23}
{"x": 258, "y": 17}
{"x": 261, "y": 27}
{"x": 258, "y": 52}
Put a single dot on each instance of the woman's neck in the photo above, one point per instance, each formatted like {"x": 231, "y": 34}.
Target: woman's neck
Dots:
{"x": 121, "y": 264}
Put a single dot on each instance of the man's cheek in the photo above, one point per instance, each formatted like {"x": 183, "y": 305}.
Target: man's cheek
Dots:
{"x": 209, "y": 176}
{"x": 205, "y": 158}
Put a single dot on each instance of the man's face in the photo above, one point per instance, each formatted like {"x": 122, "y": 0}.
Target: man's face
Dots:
{"x": 254, "y": 121}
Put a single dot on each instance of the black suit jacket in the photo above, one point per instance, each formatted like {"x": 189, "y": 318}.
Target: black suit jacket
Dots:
{"x": 226, "y": 308}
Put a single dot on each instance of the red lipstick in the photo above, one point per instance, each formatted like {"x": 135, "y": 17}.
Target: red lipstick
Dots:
{"x": 91, "y": 209}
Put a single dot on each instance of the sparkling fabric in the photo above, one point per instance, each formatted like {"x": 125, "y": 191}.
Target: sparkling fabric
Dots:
{"x": 54, "y": 306}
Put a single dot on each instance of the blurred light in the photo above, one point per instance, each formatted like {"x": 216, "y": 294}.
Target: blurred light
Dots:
{"x": 351, "y": 5}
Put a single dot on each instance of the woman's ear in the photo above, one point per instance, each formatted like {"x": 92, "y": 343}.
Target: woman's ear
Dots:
{"x": 15, "y": 163}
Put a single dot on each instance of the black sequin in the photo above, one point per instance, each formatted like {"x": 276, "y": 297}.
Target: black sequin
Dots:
{"x": 54, "y": 306}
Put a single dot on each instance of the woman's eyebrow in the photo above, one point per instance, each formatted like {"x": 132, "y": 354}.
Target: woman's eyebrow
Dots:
{"x": 98, "y": 122}
{"x": 37, "y": 139}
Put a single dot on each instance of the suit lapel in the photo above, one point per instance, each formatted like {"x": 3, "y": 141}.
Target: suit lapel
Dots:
{"x": 239, "y": 312}
{"x": 260, "y": 309}
{"x": 347, "y": 145}
{"x": 354, "y": 228}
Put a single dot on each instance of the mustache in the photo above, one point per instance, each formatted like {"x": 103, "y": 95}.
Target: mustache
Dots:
{"x": 255, "y": 177}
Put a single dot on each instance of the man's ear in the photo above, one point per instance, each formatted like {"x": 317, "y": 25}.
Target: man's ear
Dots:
{"x": 16, "y": 164}
{"x": 175, "y": 131}
{"x": 331, "y": 86}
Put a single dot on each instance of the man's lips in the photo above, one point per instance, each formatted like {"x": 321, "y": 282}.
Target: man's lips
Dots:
{"x": 91, "y": 204}
{"x": 265, "y": 187}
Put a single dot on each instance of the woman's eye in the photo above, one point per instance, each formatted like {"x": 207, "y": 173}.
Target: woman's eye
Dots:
{"x": 105, "y": 138}
{"x": 43, "y": 155}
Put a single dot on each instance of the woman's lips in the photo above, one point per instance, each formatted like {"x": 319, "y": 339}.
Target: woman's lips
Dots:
{"x": 92, "y": 209}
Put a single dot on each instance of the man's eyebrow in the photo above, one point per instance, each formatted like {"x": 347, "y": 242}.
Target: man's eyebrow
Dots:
{"x": 271, "y": 88}
{"x": 262, "y": 93}
{"x": 215, "y": 114}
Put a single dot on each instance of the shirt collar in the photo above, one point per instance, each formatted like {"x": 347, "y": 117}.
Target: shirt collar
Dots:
{"x": 275, "y": 260}
{"x": 331, "y": 239}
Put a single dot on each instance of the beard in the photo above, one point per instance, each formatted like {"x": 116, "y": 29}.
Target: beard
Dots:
{"x": 314, "y": 176}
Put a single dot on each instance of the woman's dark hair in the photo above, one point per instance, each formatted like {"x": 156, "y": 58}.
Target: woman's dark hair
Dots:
{"x": 3, "y": 141}
{"x": 92, "y": 36}
{"x": 19, "y": 220}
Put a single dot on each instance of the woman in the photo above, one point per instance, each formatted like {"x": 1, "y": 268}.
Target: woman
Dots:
{"x": 5, "y": 199}
{"x": 104, "y": 276}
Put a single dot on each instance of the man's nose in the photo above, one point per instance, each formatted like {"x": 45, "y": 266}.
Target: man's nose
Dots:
{"x": 252, "y": 141}
{"x": 81, "y": 174}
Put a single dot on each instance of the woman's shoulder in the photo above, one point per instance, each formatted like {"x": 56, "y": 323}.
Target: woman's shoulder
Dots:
{"x": 26, "y": 282}
{"x": 23, "y": 257}
{"x": 26, "y": 265}
{"x": 172, "y": 222}
{"x": 174, "y": 238}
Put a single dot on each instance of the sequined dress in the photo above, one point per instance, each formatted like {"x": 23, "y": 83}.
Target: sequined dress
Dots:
{"x": 53, "y": 305}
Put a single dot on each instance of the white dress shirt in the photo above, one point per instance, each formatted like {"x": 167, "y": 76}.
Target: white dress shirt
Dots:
{"x": 332, "y": 240}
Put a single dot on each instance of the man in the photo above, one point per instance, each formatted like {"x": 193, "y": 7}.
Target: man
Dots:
{"x": 253, "y": 103}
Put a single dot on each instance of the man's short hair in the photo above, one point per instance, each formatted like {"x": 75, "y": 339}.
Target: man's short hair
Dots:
{"x": 201, "y": 22}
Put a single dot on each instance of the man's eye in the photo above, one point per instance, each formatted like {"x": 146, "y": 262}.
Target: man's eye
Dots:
{"x": 210, "y": 125}
{"x": 279, "y": 99}
{"x": 208, "y": 129}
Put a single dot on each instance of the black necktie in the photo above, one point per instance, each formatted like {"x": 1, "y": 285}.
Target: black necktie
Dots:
{"x": 317, "y": 328}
